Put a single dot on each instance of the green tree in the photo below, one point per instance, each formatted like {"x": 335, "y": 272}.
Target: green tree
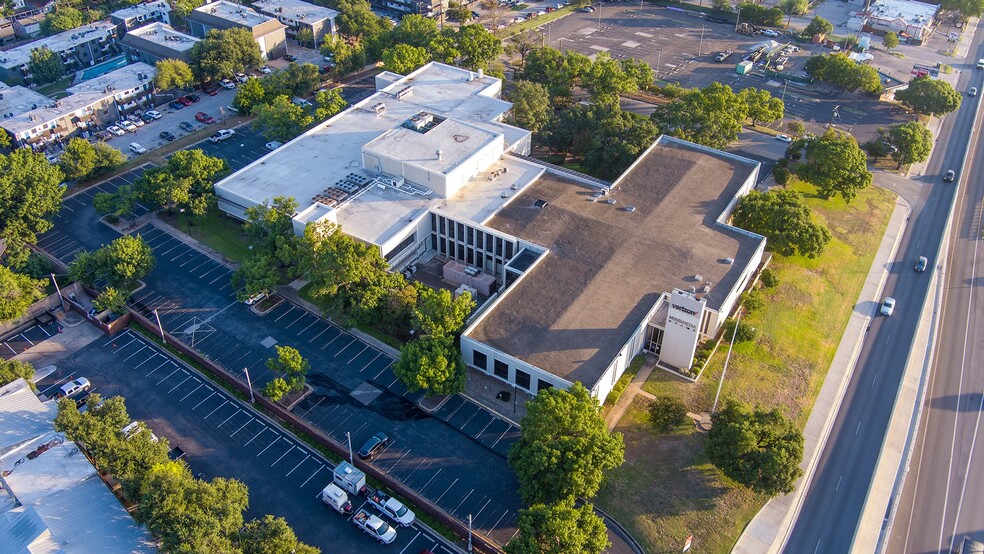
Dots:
{"x": 269, "y": 229}
{"x": 305, "y": 37}
{"x": 912, "y": 140}
{"x": 565, "y": 447}
{"x": 531, "y": 107}
{"x": 249, "y": 95}
{"x": 890, "y": 40}
{"x": 478, "y": 47}
{"x": 120, "y": 264}
{"x": 276, "y": 389}
{"x": 404, "y": 59}
{"x": 348, "y": 58}
{"x": 107, "y": 158}
{"x": 111, "y": 299}
{"x": 281, "y": 119}
{"x": 458, "y": 12}
{"x": 722, "y": 5}
{"x": 818, "y": 26}
{"x": 78, "y": 159}
{"x": 414, "y": 30}
{"x": 666, "y": 413}
{"x": 45, "y": 66}
{"x": 843, "y": 72}
{"x": 524, "y": 42}
{"x": 184, "y": 182}
{"x": 329, "y": 103}
{"x": 607, "y": 139}
{"x": 189, "y": 515}
{"x": 796, "y": 128}
{"x": 759, "y": 449}
{"x": 298, "y": 79}
{"x": 762, "y": 106}
{"x": 760, "y": 15}
{"x": 12, "y": 370}
{"x": 30, "y": 193}
{"x": 60, "y": 20}
{"x": 559, "y": 529}
{"x": 257, "y": 274}
{"x": 222, "y": 53}
{"x": 290, "y": 363}
{"x": 606, "y": 81}
{"x": 443, "y": 49}
{"x": 835, "y": 164}
{"x": 172, "y": 74}
{"x": 270, "y": 535}
{"x": 183, "y": 8}
{"x": 431, "y": 364}
{"x": 793, "y": 7}
{"x": 358, "y": 20}
{"x": 929, "y": 96}
{"x": 711, "y": 116}
{"x": 438, "y": 314}
{"x": 783, "y": 217}
{"x": 17, "y": 293}
{"x": 557, "y": 71}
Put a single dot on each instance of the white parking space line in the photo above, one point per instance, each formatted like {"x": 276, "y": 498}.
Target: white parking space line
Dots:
{"x": 230, "y": 417}
{"x": 215, "y": 410}
{"x": 289, "y": 309}
{"x": 43, "y": 331}
{"x": 309, "y": 326}
{"x": 483, "y": 428}
{"x": 369, "y": 363}
{"x": 241, "y": 428}
{"x": 164, "y": 363}
{"x": 347, "y": 416}
{"x": 312, "y": 476}
{"x": 269, "y": 445}
{"x": 319, "y": 334}
{"x": 351, "y": 342}
{"x": 145, "y": 361}
{"x": 382, "y": 371}
{"x": 475, "y": 517}
{"x": 132, "y": 340}
{"x": 177, "y": 369}
{"x": 462, "y": 501}
{"x": 256, "y": 435}
{"x": 298, "y": 465}
{"x": 332, "y": 340}
{"x": 421, "y": 489}
{"x": 316, "y": 404}
{"x": 498, "y": 521}
{"x": 289, "y": 450}
{"x": 410, "y": 543}
{"x": 200, "y": 385}
{"x": 212, "y": 282}
{"x": 364, "y": 348}
{"x": 203, "y": 400}
{"x": 446, "y": 490}
{"x": 501, "y": 436}
{"x": 295, "y": 321}
{"x": 179, "y": 384}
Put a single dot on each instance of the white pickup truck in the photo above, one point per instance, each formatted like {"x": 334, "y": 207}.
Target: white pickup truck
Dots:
{"x": 392, "y": 508}
{"x": 374, "y": 526}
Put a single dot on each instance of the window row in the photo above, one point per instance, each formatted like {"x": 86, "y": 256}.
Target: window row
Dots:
{"x": 501, "y": 370}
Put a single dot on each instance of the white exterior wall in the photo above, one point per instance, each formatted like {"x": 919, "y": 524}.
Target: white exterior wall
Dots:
{"x": 471, "y": 166}
{"x": 682, "y": 329}
{"x": 469, "y": 346}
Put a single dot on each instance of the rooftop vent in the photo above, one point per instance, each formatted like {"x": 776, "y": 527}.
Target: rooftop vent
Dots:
{"x": 611, "y": 201}
{"x": 378, "y": 108}
{"x": 540, "y": 204}
{"x": 729, "y": 261}
{"x": 698, "y": 277}
{"x": 629, "y": 209}
{"x": 405, "y": 92}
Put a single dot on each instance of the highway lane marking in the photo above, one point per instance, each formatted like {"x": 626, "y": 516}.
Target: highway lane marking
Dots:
{"x": 970, "y": 457}
{"x": 858, "y": 428}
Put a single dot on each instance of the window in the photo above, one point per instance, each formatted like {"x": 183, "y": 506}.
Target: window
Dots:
{"x": 451, "y": 229}
{"x": 509, "y": 250}
{"x": 461, "y": 231}
{"x": 444, "y": 246}
{"x": 500, "y": 369}
{"x": 470, "y": 257}
{"x": 498, "y": 246}
{"x": 488, "y": 242}
{"x": 479, "y": 238}
{"x": 471, "y": 236}
{"x": 441, "y": 221}
{"x": 480, "y": 360}
{"x": 542, "y": 385}
{"x": 523, "y": 379}
{"x": 434, "y": 242}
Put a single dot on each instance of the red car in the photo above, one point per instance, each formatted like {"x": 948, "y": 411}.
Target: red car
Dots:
{"x": 204, "y": 118}
{"x": 211, "y": 90}
{"x": 184, "y": 101}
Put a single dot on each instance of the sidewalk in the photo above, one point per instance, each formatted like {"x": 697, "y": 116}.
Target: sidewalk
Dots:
{"x": 769, "y": 529}
{"x": 634, "y": 388}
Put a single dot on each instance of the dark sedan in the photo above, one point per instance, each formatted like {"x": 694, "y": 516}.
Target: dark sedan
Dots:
{"x": 373, "y": 446}
{"x": 176, "y": 105}
{"x": 165, "y": 135}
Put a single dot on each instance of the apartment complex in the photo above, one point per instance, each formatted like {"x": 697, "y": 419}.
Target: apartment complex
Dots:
{"x": 79, "y": 48}
{"x": 269, "y": 33}
{"x": 157, "y": 41}
{"x": 299, "y": 16}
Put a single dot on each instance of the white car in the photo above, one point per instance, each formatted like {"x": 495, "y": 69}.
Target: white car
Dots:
{"x": 770, "y": 33}
{"x": 116, "y": 130}
{"x": 241, "y": 77}
{"x": 265, "y": 69}
{"x": 273, "y": 145}
{"x": 255, "y": 299}
{"x": 137, "y": 149}
{"x": 136, "y": 121}
{"x": 784, "y": 138}
{"x": 127, "y": 125}
{"x": 888, "y": 306}
{"x": 153, "y": 113}
{"x": 71, "y": 389}
{"x": 227, "y": 84}
{"x": 222, "y": 135}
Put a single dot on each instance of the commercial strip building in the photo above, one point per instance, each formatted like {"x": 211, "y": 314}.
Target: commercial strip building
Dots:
{"x": 298, "y": 16}
{"x": 574, "y": 276}
{"x": 913, "y": 21}
{"x": 157, "y": 41}
{"x": 79, "y": 48}
{"x": 133, "y": 17}
{"x": 269, "y": 33}
{"x": 33, "y": 119}
{"x": 427, "y": 8}
{"x": 51, "y": 498}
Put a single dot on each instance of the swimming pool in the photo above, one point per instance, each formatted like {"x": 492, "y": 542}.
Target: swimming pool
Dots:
{"x": 104, "y": 67}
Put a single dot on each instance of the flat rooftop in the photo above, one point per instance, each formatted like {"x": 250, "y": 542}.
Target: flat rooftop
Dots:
{"x": 145, "y": 9}
{"x": 16, "y": 57}
{"x": 608, "y": 264}
{"x": 31, "y": 109}
{"x": 306, "y": 166}
{"x": 295, "y": 10}
{"x": 160, "y": 37}
{"x": 234, "y": 13}
{"x": 911, "y": 11}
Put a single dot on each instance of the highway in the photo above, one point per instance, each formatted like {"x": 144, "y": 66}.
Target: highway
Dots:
{"x": 834, "y": 501}
{"x": 941, "y": 499}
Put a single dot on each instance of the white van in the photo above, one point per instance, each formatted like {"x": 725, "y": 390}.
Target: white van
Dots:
{"x": 980, "y": 63}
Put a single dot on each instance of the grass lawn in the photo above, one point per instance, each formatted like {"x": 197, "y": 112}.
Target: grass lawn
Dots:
{"x": 58, "y": 86}
{"x": 215, "y": 230}
{"x": 538, "y": 21}
{"x": 667, "y": 489}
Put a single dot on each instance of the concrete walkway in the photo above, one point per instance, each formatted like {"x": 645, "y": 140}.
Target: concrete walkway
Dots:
{"x": 634, "y": 388}
{"x": 770, "y": 528}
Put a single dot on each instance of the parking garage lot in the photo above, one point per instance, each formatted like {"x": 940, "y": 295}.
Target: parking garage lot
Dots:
{"x": 223, "y": 437}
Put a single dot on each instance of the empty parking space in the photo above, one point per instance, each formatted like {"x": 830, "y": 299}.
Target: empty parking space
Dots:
{"x": 225, "y": 437}
{"x": 18, "y": 341}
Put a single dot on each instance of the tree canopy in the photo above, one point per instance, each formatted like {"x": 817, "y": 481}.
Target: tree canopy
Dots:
{"x": 30, "y": 194}
{"x": 82, "y": 160}
{"x": 606, "y": 79}
{"x": 818, "y": 26}
{"x": 762, "y": 106}
{"x": 12, "y": 370}
{"x": 223, "y": 53}
{"x": 270, "y": 535}
{"x": 404, "y": 59}
{"x": 844, "y": 73}
{"x": 565, "y": 447}
{"x": 184, "y": 182}
{"x": 835, "y": 164}
{"x": 783, "y": 217}
{"x": 172, "y": 74}
{"x": 757, "y": 448}
{"x": 912, "y": 140}
{"x": 559, "y": 529}
{"x": 119, "y": 264}
{"x": 929, "y": 96}
{"x": 45, "y": 66}
{"x": 608, "y": 139}
{"x": 890, "y": 40}
{"x": 329, "y": 103}
{"x": 431, "y": 364}
{"x": 17, "y": 293}
{"x": 531, "y": 107}
{"x": 281, "y": 119}
{"x": 711, "y": 116}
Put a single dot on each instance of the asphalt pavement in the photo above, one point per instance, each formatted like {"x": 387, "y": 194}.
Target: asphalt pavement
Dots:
{"x": 833, "y": 504}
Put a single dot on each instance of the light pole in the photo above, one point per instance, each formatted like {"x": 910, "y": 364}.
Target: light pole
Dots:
{"x": 738, "y": 19}
{"x": 600, "y": 5}
{"x": 726, "y": 360}
{"x": 659, "y": 56}
{"x": 349, "y": 437}
{"x": 250, "y": 385}
{"x": 700, "y": 45}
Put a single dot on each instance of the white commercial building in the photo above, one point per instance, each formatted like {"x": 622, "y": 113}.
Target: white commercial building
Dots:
{"x": 574, "y": 276}
{"x": 51, "y": 497}
{"x": 912, "y": 21}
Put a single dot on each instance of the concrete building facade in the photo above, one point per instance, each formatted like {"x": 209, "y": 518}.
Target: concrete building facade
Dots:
{"x": 298, "y": 15}
{"x": 269, "y": 33}
{"x": 573, "y": 276}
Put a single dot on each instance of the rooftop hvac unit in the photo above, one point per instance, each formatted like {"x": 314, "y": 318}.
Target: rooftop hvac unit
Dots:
{"x": 378, "y": 108}
{"x": 404, "y": 93}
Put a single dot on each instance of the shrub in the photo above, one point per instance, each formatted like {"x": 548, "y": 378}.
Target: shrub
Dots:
{"x": 768, "y": 279}
{"x": 752, "y": 301}
{"x": 667, "y": 413}
{"x": 36, "y": 266}
{"x": 781, "y": 174}
{"x": 276, "y": 389}
{"x": 745, "y": 331}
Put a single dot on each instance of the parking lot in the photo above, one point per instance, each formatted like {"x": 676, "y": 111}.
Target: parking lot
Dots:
{"x": 224, "y": 437}
{"x": 19, "y": 341}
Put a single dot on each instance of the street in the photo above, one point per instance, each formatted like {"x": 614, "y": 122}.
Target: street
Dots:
{"x": 831, "y": 510}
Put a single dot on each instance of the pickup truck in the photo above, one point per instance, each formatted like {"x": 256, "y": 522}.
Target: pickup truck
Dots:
{"x": 392, "y": 508}
{"x": 374, "y": 526}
